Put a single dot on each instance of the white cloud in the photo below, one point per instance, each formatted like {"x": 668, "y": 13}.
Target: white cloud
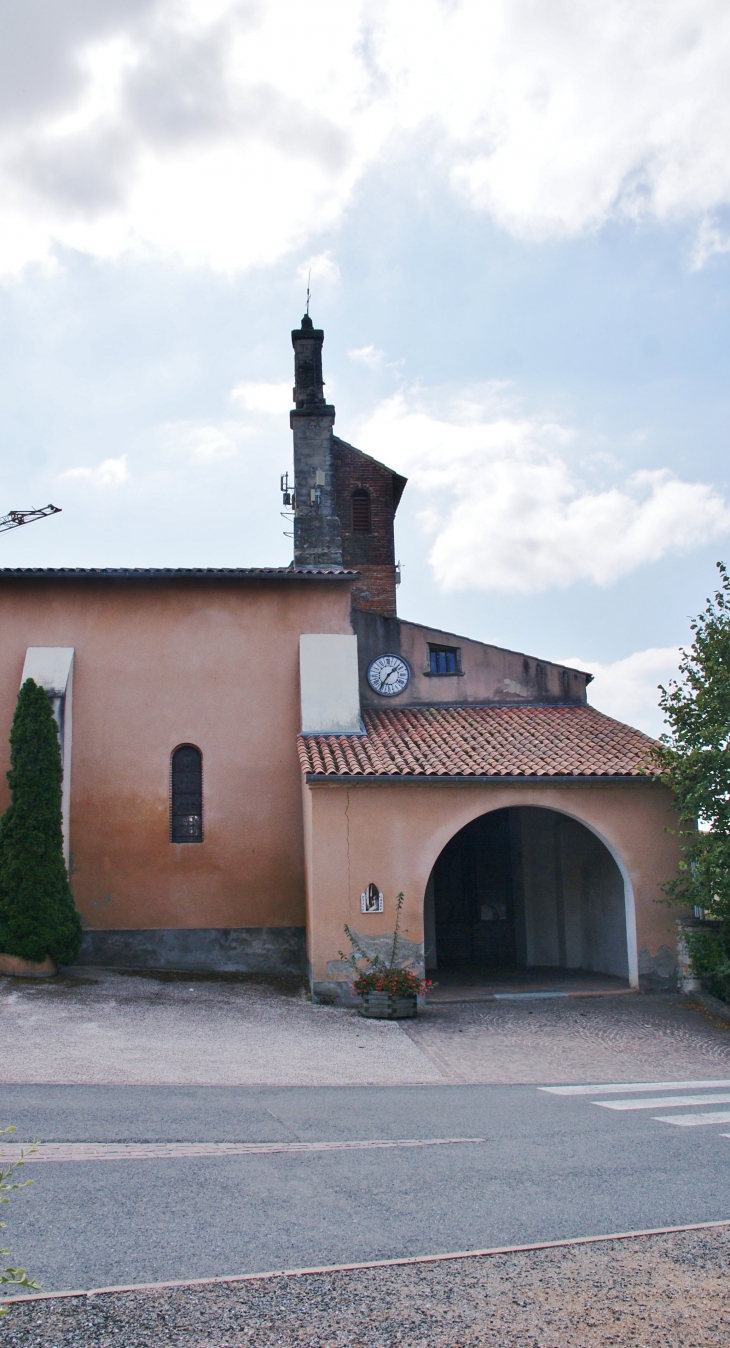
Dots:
{"x": 229, "y": 133}
{"x": 110, "y": 473}
{"x": 562, "y": 116}
{"x": 322, "y": 267}
{"x": 273, "y": 399}
{"x": 203, "y": 444}
{"x": 711, "y": 239}
{"x": 510, "y": 507}
{"x": 628, "y": 689}
{"x": 369, "y": 356}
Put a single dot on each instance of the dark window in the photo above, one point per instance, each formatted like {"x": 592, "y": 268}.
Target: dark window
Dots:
{"x": 186, "y": 802}
{"x": 444, "y": 659}
{"x": 361, "y": 521}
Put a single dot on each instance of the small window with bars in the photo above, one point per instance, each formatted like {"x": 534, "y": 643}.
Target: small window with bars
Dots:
{"x": 186, "y": 795}
{"x": 361, "y": 513}
{"x": 443, "y": 659}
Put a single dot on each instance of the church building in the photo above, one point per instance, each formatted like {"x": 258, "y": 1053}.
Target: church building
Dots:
{"x": 255, "y": 757}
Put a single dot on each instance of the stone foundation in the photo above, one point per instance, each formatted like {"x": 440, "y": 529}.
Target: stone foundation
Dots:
{"x": 246, "y": 950}
{"x": 335, "y": 993}
{"x": 658, "y": 973}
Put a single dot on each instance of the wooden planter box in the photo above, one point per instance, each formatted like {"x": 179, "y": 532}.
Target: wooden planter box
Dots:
{"x": 20, "y": 968}
{"x": 385, "y": 1006}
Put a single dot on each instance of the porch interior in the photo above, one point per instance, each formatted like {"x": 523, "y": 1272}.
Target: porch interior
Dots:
{"x": 525, "y": 901}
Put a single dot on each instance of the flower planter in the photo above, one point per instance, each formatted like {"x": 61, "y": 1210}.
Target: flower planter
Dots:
{"x": 20, "y": 968}
{"x": 389, "y": 1006}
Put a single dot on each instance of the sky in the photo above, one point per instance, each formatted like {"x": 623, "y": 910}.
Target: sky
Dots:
{"x": 516, "y": 218}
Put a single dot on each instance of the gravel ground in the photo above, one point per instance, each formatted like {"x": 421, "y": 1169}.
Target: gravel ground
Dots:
{"x": 652, "y": 1292}
{"x": 108, "y": 1028}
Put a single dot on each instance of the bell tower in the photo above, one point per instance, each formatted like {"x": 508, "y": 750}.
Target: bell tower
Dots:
{"x": 344, "y": 500}
{"x": 317, "y": 540}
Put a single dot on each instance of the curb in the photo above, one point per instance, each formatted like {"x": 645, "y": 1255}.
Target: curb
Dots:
{"x": 370, "y": 1263}
{"x": 527, "y": 997}
{"x": 710, "y": 1003}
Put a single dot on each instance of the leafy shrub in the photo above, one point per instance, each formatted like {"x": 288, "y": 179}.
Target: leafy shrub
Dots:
{"x": 396, "y": 982}
{"x": 710, "y": 955}
{"x": 693, "y": 759}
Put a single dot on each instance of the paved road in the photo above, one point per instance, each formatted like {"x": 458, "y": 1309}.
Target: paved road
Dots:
{"x": 550, "y": 1166}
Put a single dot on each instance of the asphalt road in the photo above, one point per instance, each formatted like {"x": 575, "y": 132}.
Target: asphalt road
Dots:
{"x": 549, "y": 1167}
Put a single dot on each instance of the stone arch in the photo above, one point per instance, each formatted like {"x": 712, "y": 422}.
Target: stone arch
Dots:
{"x": 584, "y": 904}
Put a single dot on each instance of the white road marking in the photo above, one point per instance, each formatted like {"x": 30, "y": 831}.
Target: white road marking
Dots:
{"x": 621, "y": 1088}
{"x": 659, "y": 1102}
{"x": 144, "y": 1151}
{"x": 695, "y": 1120}
{"x": 669, "y": 1102}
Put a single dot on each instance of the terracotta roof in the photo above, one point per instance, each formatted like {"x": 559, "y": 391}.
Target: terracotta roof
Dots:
{"x": 535, "y": 741}
{"x": 182, "y": 572}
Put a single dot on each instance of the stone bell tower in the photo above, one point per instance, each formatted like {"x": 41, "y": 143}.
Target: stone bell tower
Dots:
{"x": 345, "y": 501}
{"x": 317, "y": 538}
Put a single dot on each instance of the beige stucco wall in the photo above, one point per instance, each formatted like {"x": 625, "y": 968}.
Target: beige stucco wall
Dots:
{"x": 392, "y": 833}
{"x": 487, "y": 673}
{"x": 157, "y": 664}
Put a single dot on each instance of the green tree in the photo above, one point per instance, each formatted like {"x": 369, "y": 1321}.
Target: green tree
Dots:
{"x": 693, "y": 758}
{"x": 37, "y": 913}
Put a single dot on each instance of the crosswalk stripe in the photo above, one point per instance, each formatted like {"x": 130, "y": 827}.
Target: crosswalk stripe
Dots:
{"x": 143, "y": 1151}
{"x": 668, "y": 1102}
{"x": 624, "y": 1087}
{"x": 695, "y": 1120}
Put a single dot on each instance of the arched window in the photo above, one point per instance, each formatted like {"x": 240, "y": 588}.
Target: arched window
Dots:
{"x": 361, "y": 521}
{"x": 186, "y": 796}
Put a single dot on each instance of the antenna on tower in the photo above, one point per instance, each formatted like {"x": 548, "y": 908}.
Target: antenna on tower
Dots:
{"x": 308, "y": 281}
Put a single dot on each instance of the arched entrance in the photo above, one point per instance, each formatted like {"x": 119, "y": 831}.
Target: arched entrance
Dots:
{"x": 525, "y": 888}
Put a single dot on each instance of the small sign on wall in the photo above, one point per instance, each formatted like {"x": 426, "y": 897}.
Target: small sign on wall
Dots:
{"x": 371, "y": 899}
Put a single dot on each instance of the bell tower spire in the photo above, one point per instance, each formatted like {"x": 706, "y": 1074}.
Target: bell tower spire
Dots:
{"x": 308, "y": 382}
{"x": 317, "y": 539}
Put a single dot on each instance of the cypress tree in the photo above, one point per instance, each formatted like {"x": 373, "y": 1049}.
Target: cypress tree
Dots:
{"x": 37, "y": 913}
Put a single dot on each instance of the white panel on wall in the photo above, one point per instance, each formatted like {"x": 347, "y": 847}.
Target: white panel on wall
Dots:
{"x": 329, "y": 684}
{"x": 51, "y": 667}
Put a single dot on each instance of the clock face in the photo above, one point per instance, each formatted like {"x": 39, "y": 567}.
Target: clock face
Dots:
{"x": 389, "y": 675}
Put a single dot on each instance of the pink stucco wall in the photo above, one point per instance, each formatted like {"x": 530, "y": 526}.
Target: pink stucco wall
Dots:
{"x": 157, "y": 664}
{"x": 393, "y": 833}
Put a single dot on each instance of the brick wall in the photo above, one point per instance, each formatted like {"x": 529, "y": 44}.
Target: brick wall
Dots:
{"x": 373, "y": 554}
{"x": 375, "y": 590}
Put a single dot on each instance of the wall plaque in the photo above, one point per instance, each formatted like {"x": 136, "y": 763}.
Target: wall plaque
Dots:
{"x": 371, "y": 899}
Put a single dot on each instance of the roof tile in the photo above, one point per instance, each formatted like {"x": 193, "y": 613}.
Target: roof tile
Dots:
{"x": 177, "y": 572}
{"x": 535, "y": 741}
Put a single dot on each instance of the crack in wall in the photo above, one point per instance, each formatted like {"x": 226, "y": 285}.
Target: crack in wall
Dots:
{"x": 347, "y": 817}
